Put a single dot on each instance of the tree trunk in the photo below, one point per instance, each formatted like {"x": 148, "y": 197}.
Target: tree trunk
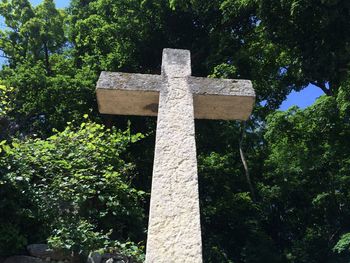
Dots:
{"x": 244, "y": 161}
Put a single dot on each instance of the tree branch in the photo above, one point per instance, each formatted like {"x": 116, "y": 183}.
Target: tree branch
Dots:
{"x": 4, "y": 56}
{"x": 323, "y": 87}
{"x": 244, "y": 161}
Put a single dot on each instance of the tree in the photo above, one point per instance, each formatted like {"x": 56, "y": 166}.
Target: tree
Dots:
{"x": 48, "y": 90}
{"x": 31, "y": 33}
{"x": 320, "y": 49}
{"x": 46, "y": 32}
{"x": 13, "y": 42}
{"x": 308, "y": 195}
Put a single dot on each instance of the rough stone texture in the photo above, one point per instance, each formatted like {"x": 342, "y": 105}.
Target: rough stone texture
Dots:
{"x": 23, "y": 259}
{"x": 39, "y": 250}
{"x": 138, "y": 94}
{"x": 116, "y": 258}
{"x": 43, "y": 251}
{"x": 128, "y": 94}
{"x": 222, "y": 99}
{"x": 94, "y": 257}
{"x": 174, "y": 233}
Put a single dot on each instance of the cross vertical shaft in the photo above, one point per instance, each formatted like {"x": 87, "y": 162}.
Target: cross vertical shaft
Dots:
{"x": 174, "y": 233}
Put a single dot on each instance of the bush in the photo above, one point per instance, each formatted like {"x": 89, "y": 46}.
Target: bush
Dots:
{"x": 73, "y": 188}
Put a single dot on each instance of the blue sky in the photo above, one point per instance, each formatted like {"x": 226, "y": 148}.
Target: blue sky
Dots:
{"x": 302, "y": 99}
{"x": 59, "y": 3}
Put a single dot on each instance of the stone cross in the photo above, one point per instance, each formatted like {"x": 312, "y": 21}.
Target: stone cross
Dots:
{"x": 177, "y": 98}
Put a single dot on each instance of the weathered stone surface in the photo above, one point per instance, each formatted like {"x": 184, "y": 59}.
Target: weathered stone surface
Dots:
{"x": 94, "y": 257}
{"x": 116, "y": 258}
{"x": 23, "y": 259}
{"x": 174, "y": 228}
{"x": 44, "y": 252}
{"x": 222, "y": 99}
{"x": 129, "y": 81}
{"x": 176, "y": 63}
{"x": 174, "y": 233}
{"x": 138, "y": 94}
{"x": 128, "y": 94}
{"x": 39, "y": 250}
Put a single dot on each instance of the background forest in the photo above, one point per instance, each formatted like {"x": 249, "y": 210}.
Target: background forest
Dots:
{"x": 80, "y": 180}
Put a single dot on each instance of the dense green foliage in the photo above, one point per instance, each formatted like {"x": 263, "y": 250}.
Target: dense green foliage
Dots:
{"x": 83, "y": 186}
{"x": 73, "y": 187}
{"x": 309, "y": 194}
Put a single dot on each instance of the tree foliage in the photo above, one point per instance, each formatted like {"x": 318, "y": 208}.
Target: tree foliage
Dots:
{"x": 74, "y": 186}
{"x": 85, "y": 185}
{"x": 309, "y": 193}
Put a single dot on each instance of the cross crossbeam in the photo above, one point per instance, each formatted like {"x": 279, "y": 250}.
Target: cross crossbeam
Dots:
{"x": 174, "y": 233}
{"x": 138, "y": 94}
